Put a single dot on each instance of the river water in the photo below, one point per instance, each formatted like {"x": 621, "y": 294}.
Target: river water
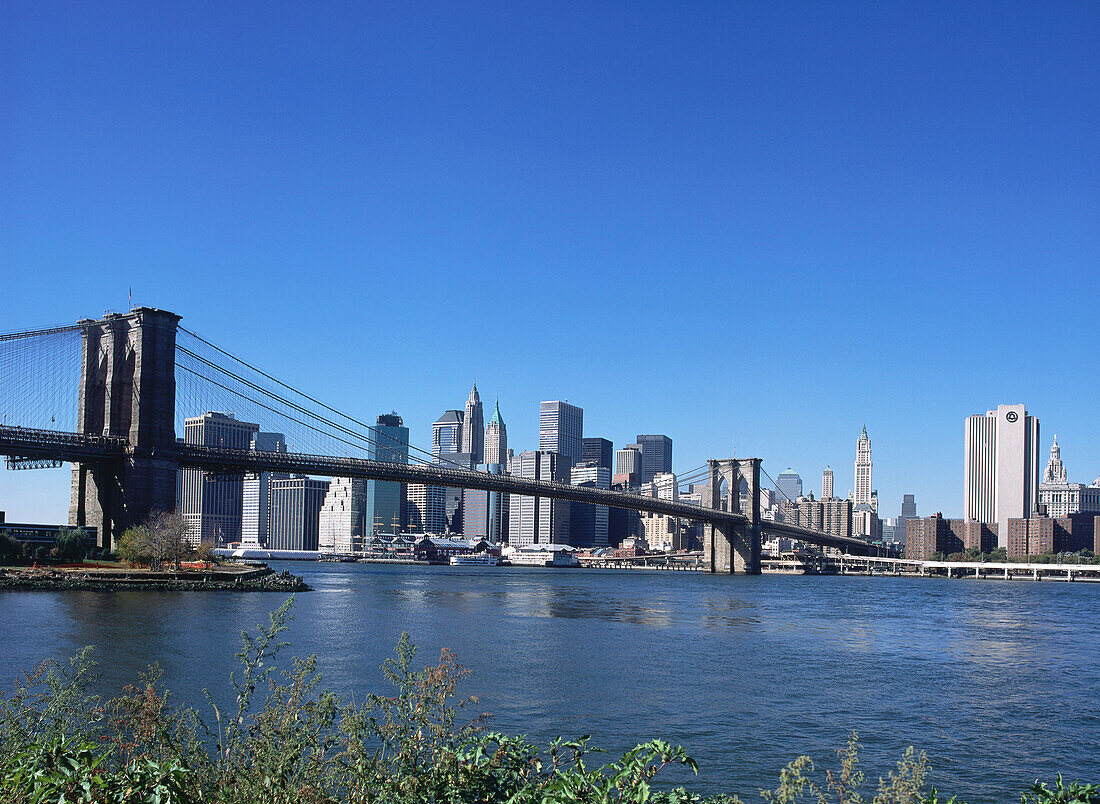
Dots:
{"x": 997, "y": 681}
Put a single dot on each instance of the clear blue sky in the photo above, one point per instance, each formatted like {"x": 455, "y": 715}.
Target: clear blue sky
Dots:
{"x": 751, "y": 226}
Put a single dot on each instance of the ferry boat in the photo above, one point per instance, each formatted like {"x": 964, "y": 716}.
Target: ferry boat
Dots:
{"x": 474, "y": 560}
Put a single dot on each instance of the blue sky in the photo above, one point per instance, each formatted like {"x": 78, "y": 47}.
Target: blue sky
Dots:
{"x": 749, "y": 226}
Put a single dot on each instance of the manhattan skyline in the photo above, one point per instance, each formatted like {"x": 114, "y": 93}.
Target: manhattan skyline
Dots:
{"x": 809, "y": 218}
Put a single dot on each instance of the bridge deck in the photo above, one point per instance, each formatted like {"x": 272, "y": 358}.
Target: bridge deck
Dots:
{"x": 82, "y": 448}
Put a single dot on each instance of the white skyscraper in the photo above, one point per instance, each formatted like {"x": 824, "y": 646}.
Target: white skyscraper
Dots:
{"x": 561, "y": 427}
{"x": 473, "y": 424}
{"x": 863, "y": 469}
{"x": 341, "y": 523}
{"x": 1001, "y": 467}
{"x": 496, "y": 439}
{"x": 827, "y": 484}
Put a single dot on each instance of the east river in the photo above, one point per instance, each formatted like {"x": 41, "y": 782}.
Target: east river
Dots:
{"x": 998, "y": 681}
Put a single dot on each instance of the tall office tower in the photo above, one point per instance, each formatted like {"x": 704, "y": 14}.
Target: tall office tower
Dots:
{"x": 598, "y": 451}
{"x": 496, "y": 439}
{"x": 385, "y": 499}
{"x": 863, "y": 468}
{"x": 296, "y": 513}
{"x": 453, "y": 497}
{"x": 1001, "y": 467}
{"x": 424, "y": 509}
{"x": 629, "y": 465}
{"x": 656, "y": 455}
{"x": 1060, "y": 498}
{"x": 789, "y": 486}
{"x": 473, "y": 424}
{"x": 342, "y": 521}
{"x": 561, "y": 427}
{"x": 538, "y": 520}
{"x": 212, "y": 506}
{"x": 588, "y": 523}
{"x": 827, "y": 484}
{"x": 484, "y": 513}
{"x": 447, "y": 433}
{"x": 908, "y": 506}
{"x": 256, "y": 493}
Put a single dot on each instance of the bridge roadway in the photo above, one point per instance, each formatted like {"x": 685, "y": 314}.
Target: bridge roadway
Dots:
{"x": 80, "y": 448}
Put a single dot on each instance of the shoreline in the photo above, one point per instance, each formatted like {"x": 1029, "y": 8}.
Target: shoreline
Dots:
{"x": 245, "y": 579}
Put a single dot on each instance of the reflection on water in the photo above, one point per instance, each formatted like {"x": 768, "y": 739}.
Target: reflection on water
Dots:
{"x": 747, "y": 672}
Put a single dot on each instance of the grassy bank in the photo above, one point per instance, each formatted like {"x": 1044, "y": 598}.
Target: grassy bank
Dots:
{"x": 289, "y": 740}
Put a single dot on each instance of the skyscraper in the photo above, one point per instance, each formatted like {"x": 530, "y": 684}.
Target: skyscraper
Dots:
{"x": 342, "y": 521}
{"x": 212, "y": 506}
{"x": 599, "y": 451}
{"x": 538, "y": 520}
{"x": 561, "y": 427}
{"x": 629, "y": 461}
{"x": 789, "y": 485}
{"x": 473, "y": 423}
{"x": 1001, "y": 467}
{"x": 588, "y": 523}
{"x": 296, "y": 513}
{"x": 827, "y": 484}
{"x": 385, "y": 499}
{"x": 863, "y": 469}
{"x": 256, "y": 493}
{"x": 447, "y": 433}
{"x": 656, "y": 455}
{"x": 496, "y": 439}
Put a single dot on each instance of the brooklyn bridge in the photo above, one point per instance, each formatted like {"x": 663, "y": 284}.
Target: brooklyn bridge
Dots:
{"x": 107, "y": 395}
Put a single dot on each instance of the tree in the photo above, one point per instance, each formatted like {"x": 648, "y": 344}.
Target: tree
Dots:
{"x": 11, "y": 549}
{"x": 160, "y": 539}
{"x": 71, "y": 545}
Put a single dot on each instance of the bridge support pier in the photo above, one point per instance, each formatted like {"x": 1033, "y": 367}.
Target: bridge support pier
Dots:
{"x": 734, "y": 547}
{"x": 127, "y": 390}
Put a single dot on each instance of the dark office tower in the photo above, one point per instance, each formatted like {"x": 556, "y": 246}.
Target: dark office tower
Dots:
{"x": 385, "y": 499}
{"x": 599, "y": 452}
{"x": 296, "y": 513}
{"x": 656, "y": 455}
{"x": 561, "y": 428}
{"x": 908, "y": 506}
{"x": 447, "y": 433}
{"x": 473, "y": 427}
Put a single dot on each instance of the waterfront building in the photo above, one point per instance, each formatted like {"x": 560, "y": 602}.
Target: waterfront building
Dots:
{"x": 1001, "y": 467}
{"x": 385, "y": 499}
{"x": 538, "y": 520}
{"x": 598, "y": 451}
{"x": 212, "y": 506}
{"x": 342, "y": 521}
{"x": 836, "y": 516}
{"x": 447, "y": 433}
{"x": 256, "y": 493}
{"x": 473, "y": 427}
{"x": 827, "y": 484}
{"x": 295, "y": 513}
{"x": 589, "y": 523}
{"x": 1058, "y": 497}
{"x": 789, "y": 485}
{"x": 926, "y": 536}
{"x": 496, "y": 439}
{"x": 561, "y": 429}
{"x": 485, "y": 513}
{"x": 1043, "y": 534}
{"x": 656, "y": 455}
{"x": 662, "y": 532}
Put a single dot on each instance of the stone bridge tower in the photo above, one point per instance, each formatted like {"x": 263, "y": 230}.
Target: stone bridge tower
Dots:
{"x": 734, "y": 548}
{"x": 127, "y": 390}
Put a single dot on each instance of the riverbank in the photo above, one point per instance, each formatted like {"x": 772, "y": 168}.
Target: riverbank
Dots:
{"x": 224, "y": 578}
